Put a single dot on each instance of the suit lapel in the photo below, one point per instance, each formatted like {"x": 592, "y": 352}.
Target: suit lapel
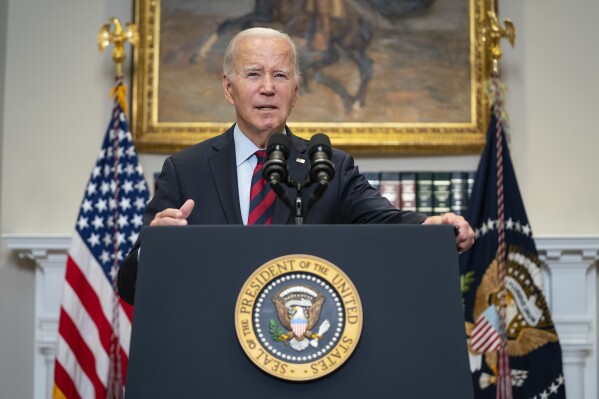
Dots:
{"x": 224, "y": 172}
{"x": 298, "y": 165}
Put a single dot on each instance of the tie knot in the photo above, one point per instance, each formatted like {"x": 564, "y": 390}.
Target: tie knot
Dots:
{"x": 261, "y": 155}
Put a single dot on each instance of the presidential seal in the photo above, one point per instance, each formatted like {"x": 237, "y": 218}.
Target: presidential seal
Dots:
{"x": 298, "y": 317}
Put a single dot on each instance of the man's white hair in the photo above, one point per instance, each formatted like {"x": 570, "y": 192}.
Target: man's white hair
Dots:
{"x": 262, "y": 33}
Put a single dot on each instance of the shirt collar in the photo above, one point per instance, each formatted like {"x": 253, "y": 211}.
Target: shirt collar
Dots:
{"x": 244, "y": 148}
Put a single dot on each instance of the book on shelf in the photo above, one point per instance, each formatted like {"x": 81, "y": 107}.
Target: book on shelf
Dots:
{"x": 441, "y": 192}
{"x": 407, "y": 200}
{"x": 470, "y": 182}
{"x": 459, "y": 192}
{"x": 424, "y": 192}
{"x": 390, "y": 187}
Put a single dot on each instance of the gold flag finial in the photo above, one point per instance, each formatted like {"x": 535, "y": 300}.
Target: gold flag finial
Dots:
{"x": 491, "y": 35}
{"x": 118, "y": 37}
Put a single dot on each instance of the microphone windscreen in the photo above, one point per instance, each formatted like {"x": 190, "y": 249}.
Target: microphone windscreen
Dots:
{"x": 320, "y": 140}
{"x": 281, "y": 140}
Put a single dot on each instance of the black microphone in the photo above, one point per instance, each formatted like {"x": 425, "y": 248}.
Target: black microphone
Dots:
{"x": 322, "y": 169}
{"x": 275, "y": 169}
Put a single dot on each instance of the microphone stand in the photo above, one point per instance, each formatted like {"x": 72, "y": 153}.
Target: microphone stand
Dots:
{"x": 297, "y": 208}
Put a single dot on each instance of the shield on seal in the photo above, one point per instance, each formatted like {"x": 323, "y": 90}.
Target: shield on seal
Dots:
{"x": 299, "y": 322}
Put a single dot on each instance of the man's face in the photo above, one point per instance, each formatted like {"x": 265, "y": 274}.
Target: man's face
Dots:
{"x": 263, "y": 88}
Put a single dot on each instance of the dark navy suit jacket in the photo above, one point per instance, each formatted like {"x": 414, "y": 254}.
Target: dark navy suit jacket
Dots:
{"x": 207, "y": 173}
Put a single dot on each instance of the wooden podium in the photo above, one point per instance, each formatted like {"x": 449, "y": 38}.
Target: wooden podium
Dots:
{"x": 184, "y": 342}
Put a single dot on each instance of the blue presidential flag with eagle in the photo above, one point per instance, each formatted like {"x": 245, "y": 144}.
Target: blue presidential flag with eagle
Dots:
{"x": 505, "y": 308}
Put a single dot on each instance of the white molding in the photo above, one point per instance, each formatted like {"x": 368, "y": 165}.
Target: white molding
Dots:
{"x": 570, "y": 266}
{"x": 36, "y": 247}
{"x": 557, "y": 247}
{"x": 49, "y": 255}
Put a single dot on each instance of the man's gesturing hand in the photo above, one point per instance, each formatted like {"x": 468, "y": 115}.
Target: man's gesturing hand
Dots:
{"x": 174, "y": 217}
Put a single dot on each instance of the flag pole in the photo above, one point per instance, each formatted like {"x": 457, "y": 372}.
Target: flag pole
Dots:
{"x": 491, "y": 35}
{"x": 117, "y": 36}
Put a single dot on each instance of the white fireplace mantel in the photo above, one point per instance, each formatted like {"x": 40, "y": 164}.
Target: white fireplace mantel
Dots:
{"x": 570, "y": 271}
{"x": 49, "y": 256}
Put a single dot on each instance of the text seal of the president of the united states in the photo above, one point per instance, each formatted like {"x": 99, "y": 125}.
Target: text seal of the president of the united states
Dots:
{"x": 298, "y": 317}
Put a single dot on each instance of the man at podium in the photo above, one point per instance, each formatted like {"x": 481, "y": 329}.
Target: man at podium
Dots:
{"x": 220, "y": 181}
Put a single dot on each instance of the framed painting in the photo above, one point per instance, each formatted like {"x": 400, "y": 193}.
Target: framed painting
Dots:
{"x": 378, "y": 76}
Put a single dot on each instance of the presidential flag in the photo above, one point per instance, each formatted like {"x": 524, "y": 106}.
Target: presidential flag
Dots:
{"x": 512, "y": 341}
{"x": 95, "y": 325}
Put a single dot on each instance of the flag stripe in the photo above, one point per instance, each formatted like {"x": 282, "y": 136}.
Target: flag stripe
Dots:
{"x": 86, "y": 326}
{"x": 482, "y": 333}
{"x": 124, "y": 330}
{"x": 89, "y": 301}
{"x": 82, "y": 354}
{"x": 490, "y": 343}
{"x": 92, "y": 272}
{"x": 124, "y": 363}
{"x": 490, "y": 336}
{"x": 482, "y": 327}
{"x": 485, "y": 338}
{"x": 63, "y": 383}
{"x": 127, "y": 309}
{"x": 490, "y": 346}
{"x": 82, "y": 384}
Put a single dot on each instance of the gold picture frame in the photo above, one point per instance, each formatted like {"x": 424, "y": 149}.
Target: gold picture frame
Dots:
{"x": 425, "y": 90}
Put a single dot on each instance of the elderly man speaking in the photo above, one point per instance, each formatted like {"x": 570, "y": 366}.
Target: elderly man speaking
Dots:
{"x": 219, "y": 181}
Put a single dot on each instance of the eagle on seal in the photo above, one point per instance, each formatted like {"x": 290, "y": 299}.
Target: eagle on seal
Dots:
{"x": 298, "y": 320}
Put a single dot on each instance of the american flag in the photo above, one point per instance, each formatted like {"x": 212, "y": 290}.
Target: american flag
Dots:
{"x": 95, "y": 325}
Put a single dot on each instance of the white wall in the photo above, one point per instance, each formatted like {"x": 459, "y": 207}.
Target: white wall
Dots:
{"x": 55, "y": 106}
{"x": 553, "y": 106}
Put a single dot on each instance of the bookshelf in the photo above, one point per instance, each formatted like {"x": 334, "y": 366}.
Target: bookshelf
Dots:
{"x": 429, "y": 192}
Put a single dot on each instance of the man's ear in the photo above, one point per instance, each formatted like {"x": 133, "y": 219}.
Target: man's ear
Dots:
{"x": 227, "y": 87}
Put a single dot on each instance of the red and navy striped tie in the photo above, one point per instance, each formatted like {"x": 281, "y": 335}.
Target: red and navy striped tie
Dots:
{"x": 262, "y": 198}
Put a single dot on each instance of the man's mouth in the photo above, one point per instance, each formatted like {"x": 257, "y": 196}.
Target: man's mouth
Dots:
{"x": 266, "y": 107}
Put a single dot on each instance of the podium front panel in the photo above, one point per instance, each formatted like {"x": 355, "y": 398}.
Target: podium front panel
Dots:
{"x": 184, "y": 343}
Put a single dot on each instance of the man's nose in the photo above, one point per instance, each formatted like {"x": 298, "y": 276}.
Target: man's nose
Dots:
{"x": 267, "y": 86}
